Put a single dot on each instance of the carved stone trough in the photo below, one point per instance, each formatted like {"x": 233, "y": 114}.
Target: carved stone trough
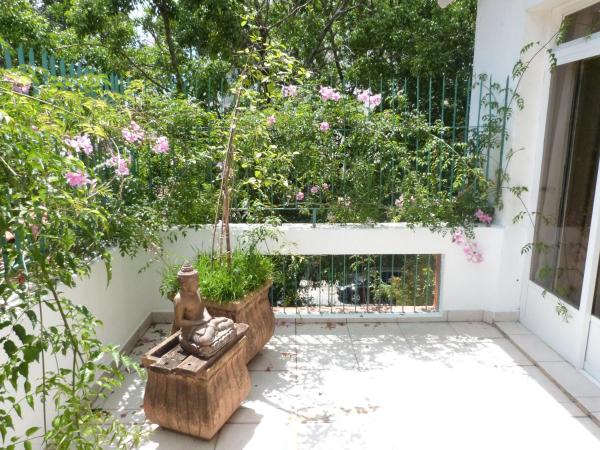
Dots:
{"x": 191, "y": 395}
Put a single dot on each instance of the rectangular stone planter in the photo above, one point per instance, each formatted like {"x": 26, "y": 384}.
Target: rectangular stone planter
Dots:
{"x": 191, "y": 395}
{"x": 253, "y": 309}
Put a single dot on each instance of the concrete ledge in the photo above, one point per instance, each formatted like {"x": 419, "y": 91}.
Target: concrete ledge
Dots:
{"x": 131, "y": 342}
{"x": 578, "y": 386}
{"x": 500, "y": 316}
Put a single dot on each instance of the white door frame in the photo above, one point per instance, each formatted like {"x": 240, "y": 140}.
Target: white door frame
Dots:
{"x": 571, "y": 51}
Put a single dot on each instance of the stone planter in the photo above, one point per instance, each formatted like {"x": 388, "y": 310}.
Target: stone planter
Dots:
{"x": 191, "y": 395}
{"x": 253, "y": 309}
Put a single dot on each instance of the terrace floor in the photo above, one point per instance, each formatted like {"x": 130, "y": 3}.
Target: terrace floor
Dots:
{"x": 386, "y": 386}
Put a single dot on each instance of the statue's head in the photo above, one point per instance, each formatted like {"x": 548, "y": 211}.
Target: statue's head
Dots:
{"x": 188, "y": 279}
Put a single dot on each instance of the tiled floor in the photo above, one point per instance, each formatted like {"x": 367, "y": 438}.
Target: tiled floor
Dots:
{"x": 384, "y": 386}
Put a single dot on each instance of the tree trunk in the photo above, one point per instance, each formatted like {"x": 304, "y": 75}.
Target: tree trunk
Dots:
{"x": 165, "y": 14}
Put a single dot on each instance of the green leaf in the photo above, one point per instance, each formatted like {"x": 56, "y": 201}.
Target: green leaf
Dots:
{"x": 10, "y": 348}
{"x": 19, "y": 330}
{"x": 31, "y": 430}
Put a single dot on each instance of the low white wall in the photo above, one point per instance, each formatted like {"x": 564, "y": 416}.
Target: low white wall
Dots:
{"x": 465, "y": 286}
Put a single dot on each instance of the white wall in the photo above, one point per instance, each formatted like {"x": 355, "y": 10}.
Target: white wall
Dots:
{"x": 503, "y": 28}
{"x": 465, "y": 286}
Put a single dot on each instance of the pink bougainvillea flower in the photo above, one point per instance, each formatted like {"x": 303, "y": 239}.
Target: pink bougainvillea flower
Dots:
{"x": 399, "y": 201}
{"x": 458, "y": 237}
{"x": 300, "y": 196}
{"x": 325, "y": 93}
{"x": 122, "y": 169}
{"x": 363, "y": 96}
{"x": 324, "y": 126}
{"x": 472, "y": 253}
{"x": 314, "y": 190}
{"x": 271, "y": 120}
{"x": 374, "y": 100}
{"x": 161, "y": 145}
{"x": 369, "y": 100}
{"x": 290, "y": 90}
{"x": 328, "y": 93}
{"x": 17, "y": 86}
{"x": 22, "y": 88}
{"x": 80, "y": 143}
{"x": 483, "y": 217}
{"x": 121, "y": 165}
{"x": 134, "y": 134}
{"x": 325, "y": 186}
{"x": 77, "y": 179}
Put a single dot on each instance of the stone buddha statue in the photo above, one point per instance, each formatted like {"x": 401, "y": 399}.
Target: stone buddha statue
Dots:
{"x": 201, "y": 334}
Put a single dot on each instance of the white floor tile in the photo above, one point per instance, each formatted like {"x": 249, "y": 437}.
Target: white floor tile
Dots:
{"x": 476, "y": 330}
{"x": 326, "y": 356}
{"x": 376, "y": 333}
{"x": 274, "y": 357}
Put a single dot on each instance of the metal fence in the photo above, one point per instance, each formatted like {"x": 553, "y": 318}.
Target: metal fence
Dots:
{"x": 57, "y": 67}
{"x": 356, "y": 284}
{"x": 443, "y": 99}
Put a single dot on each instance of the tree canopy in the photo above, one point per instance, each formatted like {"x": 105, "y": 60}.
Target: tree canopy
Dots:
{"x": 172, "y": 42}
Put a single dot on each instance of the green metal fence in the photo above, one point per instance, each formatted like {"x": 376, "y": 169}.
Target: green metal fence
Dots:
{"x": 377, "y": 283}
{"x": 54, "y": 66}
{"x": 444, "y": 99}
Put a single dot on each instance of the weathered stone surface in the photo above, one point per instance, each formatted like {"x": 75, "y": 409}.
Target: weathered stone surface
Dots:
{"x": 201, "y": 334}
{"x": 255, "y": 310}
{"x": 191, "y": 395}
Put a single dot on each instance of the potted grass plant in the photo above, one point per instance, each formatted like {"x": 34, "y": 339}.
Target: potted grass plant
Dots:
{"x": 240, "y": 292}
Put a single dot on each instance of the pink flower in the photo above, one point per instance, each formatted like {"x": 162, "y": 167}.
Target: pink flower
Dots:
{"x": 483, "y": 217}
{"x": 399, "y": 201}
{"x": 133, "y": 134}
{"x": 458, "y": 237}
{"x": 472, "y": 253}
{"x": 328, "y": 93}
{"x": 363, "y": 96}
{"x": 314, "y": 190}
{"x": 290, "y": 90}
{"x": 80, "y": 143}
{"x": 22, "y": 88}
{"x": 121, "y": 165}
{"x": 18, "y": 86}
{"x": 370, "y": 101}
{"x": 271, "y": 120}
{"x": 325, "y": 186}
{"x": 77, "y": 179}
{"x": 300, "y": 196}
{"x": 161, "y": 145}
{"x": 122, "y": 169}
{"x": 324, "y": 126}
{"x": 374, "y": 100}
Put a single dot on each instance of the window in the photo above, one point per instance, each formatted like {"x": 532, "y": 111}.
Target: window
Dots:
{"x": 583, "y": 22}
{"x": 570, "y": 165}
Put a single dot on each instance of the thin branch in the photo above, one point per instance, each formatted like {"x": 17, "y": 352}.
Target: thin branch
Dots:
{"x": 293, "y": 12}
